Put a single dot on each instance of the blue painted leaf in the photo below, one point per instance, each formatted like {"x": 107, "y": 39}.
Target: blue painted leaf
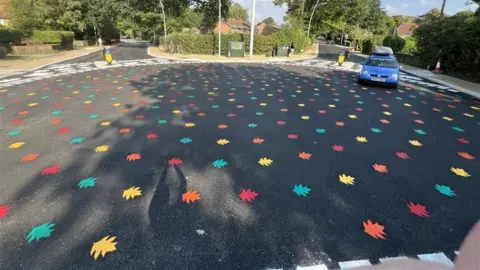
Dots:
{"x": 376, "y": 130}
{"x": 252, "y": 125}
{"x": 458, "y": 129}
{"x": 77, "y": 140}
{"x": 162, "y": 121}
{"x": 421, "y": 132}
{"x": 219, "y": 163}
{"x": 301, "y": 190}
{"x": 321, "y": 130}
{"x": 42, "y": 231}
{"x": 259, "y": 113}
{"x": 89, "y": 182}
{"x": 185, "y": 140}
{"x": 93, "y": 115}
{"x": 445, "y": 190}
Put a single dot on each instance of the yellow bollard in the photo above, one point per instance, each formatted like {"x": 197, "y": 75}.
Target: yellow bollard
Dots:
{"x": 108, "y": 56}
{"x": 341, "y": 59}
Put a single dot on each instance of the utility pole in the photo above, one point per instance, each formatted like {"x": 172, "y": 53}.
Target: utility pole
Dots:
{"x": 311, "y": 16}
{"x": 443, "y": 8}
{"x": 164, "y": 21}
{"x": 252, "y": 27}
{"x": 219, "y": 28}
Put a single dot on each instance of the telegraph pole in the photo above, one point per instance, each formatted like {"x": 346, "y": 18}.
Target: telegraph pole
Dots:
{"x": 219, "y": 28}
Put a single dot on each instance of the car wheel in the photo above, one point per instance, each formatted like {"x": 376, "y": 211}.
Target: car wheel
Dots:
{"x": 360, "y": 81}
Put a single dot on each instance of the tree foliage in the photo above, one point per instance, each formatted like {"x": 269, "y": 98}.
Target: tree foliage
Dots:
{"x": 236, "y": 11}
{"x": 269, "y": 20}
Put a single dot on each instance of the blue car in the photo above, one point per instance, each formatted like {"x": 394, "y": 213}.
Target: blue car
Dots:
{"x": 381, "y": 67}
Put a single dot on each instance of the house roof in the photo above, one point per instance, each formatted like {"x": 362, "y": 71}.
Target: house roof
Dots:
{"x": 237, "y": 24}
{"x": 269, "y": 25}
{"x": 3, "y": 14}
{"x": 406, "y": 29}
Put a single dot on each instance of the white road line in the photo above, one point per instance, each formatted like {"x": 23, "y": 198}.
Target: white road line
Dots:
{"x": 387, "y": 259}
{"x": 353, "y": 264}
{"x": 313, "y": 267}
{"x": 436, "y": 257}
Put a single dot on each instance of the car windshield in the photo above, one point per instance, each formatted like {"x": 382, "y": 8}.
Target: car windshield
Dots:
{"x": 381, "y": 62}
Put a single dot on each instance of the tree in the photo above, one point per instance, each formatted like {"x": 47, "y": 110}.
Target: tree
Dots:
{"x": 236, "y": 11}
{"x": 209, "y": 9}
{"x": 269, "y": 20}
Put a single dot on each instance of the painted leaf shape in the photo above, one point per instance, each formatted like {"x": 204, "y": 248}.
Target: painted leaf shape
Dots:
{"x": 125, "y": 130}
{"x": 460, "y": 172}
{"x": 292, "y": 136}
{"x": 190, "y": 196}
{"x": 265, "y": 161}
{"x": 103, "y": 246}
{"x": 415, "y": 143}
{"x": 346, "y": 179}
{"x": 402, "y": 155}
{"x": 375, "y": 230}
{"x": 77, "y": 140}
{"x": 131, "y": 193}
{"x": 63, "y": 130}
{"x": 134, "y": 156}
{"x": 462, "y": 140}
{"x": 223, "y": 141}
{"x": 248, "y": 195}
{"x": 304, "y": 155}
{"x": 175, "y": 161}
{"x": 29, "y": 157}
{"x": 56, "y": 121}
{"x": 445, "y": 190}
{"x": 152, "y": 136}
{"x": 380, "y": 168}
{"x": 219, "y": 163}
{"x": 301, "y": 190}
{"x": 16, "y": 145}
{"x": 418, "y": 209}
{"x": 42, "y": 231}
{"x": 258, "y": 140}
{"x": 466, "y": 155}
{"x": 337, "y": 148}
{"x": 50, "y": 170}
{"x": 101, "y": 148}
{"x": 189, "y": 125}
{"x": 89, "y": 182}
{"x": 222, "y": 126}
{"x": 4, "y": 209}
{"x": 361, "y": 139}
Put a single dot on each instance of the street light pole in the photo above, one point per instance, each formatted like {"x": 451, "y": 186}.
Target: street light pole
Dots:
{"x": 219, "y": 28}
{"x": 252, "y": 27}
{"x": 311, "y": 16}
{"x": 164, "y": 21}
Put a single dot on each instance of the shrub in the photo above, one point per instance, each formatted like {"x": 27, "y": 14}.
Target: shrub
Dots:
{"x": 11, "y": 35}
{"x": 50, "y": 37}
{"x": 367, "y": 46}
{"x": 394, "y": 42}
{"x": 410, "y": 46}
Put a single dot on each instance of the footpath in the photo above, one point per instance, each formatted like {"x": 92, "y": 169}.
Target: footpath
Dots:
{"x": 158, "y": 52}
{"x": 13, "y": 65}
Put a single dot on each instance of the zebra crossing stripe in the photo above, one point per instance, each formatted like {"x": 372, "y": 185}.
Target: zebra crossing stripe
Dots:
{"x": 387, "y": 259}
{"x": 436, "y": 257}
{"x": 313, "y": 267}
{"x": 353, "y": 264}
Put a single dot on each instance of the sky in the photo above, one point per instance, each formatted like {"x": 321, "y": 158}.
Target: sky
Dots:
{"x": 265, "y": 8}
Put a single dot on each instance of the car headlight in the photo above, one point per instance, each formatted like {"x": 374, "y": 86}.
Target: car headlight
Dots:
{"x": 365, "y": 72}
{"x": 395, "y": 76}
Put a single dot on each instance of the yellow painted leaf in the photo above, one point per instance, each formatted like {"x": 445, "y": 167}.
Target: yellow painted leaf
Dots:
{"x": 460, "y": 172}
{"x": 265, "y": 162}
{"x": 105, "y": 124}
{"x": 346, "y": 179}
{"x": 331, "y": 105}
{"x": 101, "y": 148}
{"x": 223, "y": 141}
{"x": 361, "y": 139}
{"x": 352, "y": 116}
{"x": 87, "y": 102}
{"x": 387, "y": 113}
{"x": 447, "y": 118}
{"x": 31, "y": 94}
{"x": 103, "y": 246}
{"x": 468, "y": 115}
{"x": 116, "y": 104}
{"x": 176, "y": 111}
{"x": 263, "y": 104}
{"x": 305, "y": 117}
{"x": 16, "y": 145}
{"x": 415, "y": 143}
{"x": 131, "y": 193}
{"x": 32, "y": 104}
{"x": 189, "y": 125}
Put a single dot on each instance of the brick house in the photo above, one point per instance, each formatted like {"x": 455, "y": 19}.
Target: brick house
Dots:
{"x": 267, "y": 29}
{"x": 234, "y": 26}
{"x": 3, "y": 18}
{"x": 406, "y": 29}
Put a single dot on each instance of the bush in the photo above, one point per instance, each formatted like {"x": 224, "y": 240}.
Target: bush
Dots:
{"x": 367, "y": 46}
{"x": 50, "y": 37}
{"x": 410, "y": 46}
{"x": 394, "y": 42}
{"x": 208, "y": 44}
{"x": 11, "y": 35}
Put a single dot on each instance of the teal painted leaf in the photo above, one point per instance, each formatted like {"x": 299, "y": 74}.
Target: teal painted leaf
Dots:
{"x": 2, "y": 108}
{"x": 336, "y": 99}
{"x": 421, "y": 132}
{"x": 91, "y": 96}
{"x": 45, "y": 97}
{"x": 259, "y": 113}
{"x": 41, "y": 231}
{"x": 301, "y": 190}
{"x": 113, "y": 98}
{"x": 293, "y": 96}
{"x": 155, "y": 107}
{"x": 89, "y": 182}
{"x": 185, "y": 140}
{"x": 215, "y": 106}
{"x": 253, "y": 98}
{"x": 316, "y": 94}
{"x": 252, "y": 125}
{"x": 77, "y": 140}
{"x": 162, "y": 121}
{"x": 57, "y": 112}
{"x": 359, "y": 102}
{"x": 445, "y": 190}
{"x": 93, "y": 115}
{"x": 458, "y": 129}
{"x": 219, "y": 163}
{"x": 376, "y": 130}
{"x": 321, "y": 130}
{"x": 14, "y": 132}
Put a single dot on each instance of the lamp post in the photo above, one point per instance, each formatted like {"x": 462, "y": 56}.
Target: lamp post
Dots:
{"x": 311, "y": 15}
{"x": 252, "y": 27}
{"x": 219, "y": 28}
{"x": 164, "y": 21}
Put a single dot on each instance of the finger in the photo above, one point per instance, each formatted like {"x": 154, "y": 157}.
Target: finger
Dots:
{"x": 469, "y": 257}
{"x": 409, "y": 264}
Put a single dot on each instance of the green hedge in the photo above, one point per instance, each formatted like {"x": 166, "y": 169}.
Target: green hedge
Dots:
{"x": 188, "y": 43}
{"x": 394, "y": 42}
{"x": 367, "y": 47}
{"x": 11, "y": 35}
{"x": 50, "y": 37}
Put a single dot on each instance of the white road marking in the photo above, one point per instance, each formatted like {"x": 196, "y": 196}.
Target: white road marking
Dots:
{"x": 436, "y": 257}
{"x": 353, "y": 264}
{"x": 313, "y": 267}
{"x": 387, "y": 259}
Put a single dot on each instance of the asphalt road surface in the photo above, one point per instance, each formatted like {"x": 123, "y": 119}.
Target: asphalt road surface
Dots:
{"x": 231, "y": 166}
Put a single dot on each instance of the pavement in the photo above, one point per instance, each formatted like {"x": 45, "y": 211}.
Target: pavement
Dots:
{"x": 167, "y": 164}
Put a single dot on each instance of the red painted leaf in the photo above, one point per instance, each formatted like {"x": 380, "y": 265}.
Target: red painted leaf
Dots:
{"x": 338, "y": 148}
{"x": 284, "y": 110}
{"x": 231, "y": 115}
{"x": 462, "y": 140}
{"x": 17, "y": 121}
{"x": 152, "y": 136}
{"x": 466, "y": 155}
{"x": 4, "y": 210}
{"x": 402, "y": 155}
{"x": 375, "y": 230}
{"x": 134, "y": 156}
{"x": 125, "y": 130}
{"x": 51, "y": 170}
{"x": 418, "y": 209}
{"x": 190, "y": 196}
{"x": 222, "y": 126}
{"x": 87, "y": 109}
{"x": 292, "y": 136}
{"x": 281, "y": 123}
{"x": 322, "y": 112}
{"x": 248, "y": 195}
{"x": 140, "y": 116}
{"x": 63, "y": 130}
{"x": 304, "y": 155}
{"x": 175, "y": 161}
{"x": 258, "y": 140}
{"x": 380, "y": 168}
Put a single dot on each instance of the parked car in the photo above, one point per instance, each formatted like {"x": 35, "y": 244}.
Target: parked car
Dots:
{"x": 381, "y": 67}
{"x": 330, "y": 41}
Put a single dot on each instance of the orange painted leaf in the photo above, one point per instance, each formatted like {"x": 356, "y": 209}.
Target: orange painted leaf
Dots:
{"x": 125, "y": 130}
{"x": 258, "y": 140}
{"x": 337, "y": 148}
{"x": 466, "y": 155}
{"x": 190, "y": 196}
{"x": 152, "y": 136}
{"x": 134, "y": 156}
{"x": 30, "y": 157}
{"x": 175, "y": 161}
{"x": 56, "y": 121}
{"x": 340, "y": 124}
{"x": 418, "y": 209}
{"x": 222, "y": 126}
{"x": 23, "y": 113}
{"x": 375, "y": 230}
{"x": 304, "y": 155}
{"x": 380, "y": 168}
{"x": 248, "y": 195}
